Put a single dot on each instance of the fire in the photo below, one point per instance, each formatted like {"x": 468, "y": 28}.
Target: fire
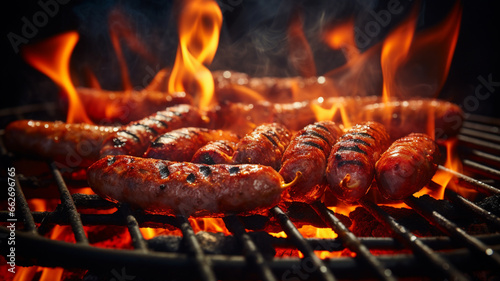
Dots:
{"x": 52, "y": 57}
{"x": 404, "y": 52}
{"x": 199, "y": 26}
{"x": 342, "y": 37}
{"x": 323, "y": 114}
{"x": 301, "y": 55}
{"x": 442, "y": 178}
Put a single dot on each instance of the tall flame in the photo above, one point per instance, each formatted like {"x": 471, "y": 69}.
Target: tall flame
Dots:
{"x": 52, "y": 57}
{"x": 199, "y": 24}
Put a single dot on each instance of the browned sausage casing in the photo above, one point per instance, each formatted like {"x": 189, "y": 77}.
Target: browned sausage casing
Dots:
{"x": 70, "y": 145}
{"x": 265, "y": 145}
{"x": 166, "y": 187}
{"x": 351, "y": 165}
{"x": 407, "y": 166}
{"x": 307, "y": 153}
{"x": 182, "y": 144}
{"x": 215, "y": 152}
{"x": 134, "y": 138}
{"x": 401, "y": 118}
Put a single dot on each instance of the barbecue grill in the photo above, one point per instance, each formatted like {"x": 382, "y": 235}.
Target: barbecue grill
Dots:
{"x": 453, "y": 254}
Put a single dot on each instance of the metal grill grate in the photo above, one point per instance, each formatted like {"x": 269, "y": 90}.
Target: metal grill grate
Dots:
{"x": 453, "y": 255}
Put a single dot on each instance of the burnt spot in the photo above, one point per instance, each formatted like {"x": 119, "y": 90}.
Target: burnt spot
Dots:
{"x": 205, "y": 171}
{"x": 321, "y": 127}
{"x": 111, "y": 160}
{"x": 178, "y": 113}
{"x": 118, "y": 142}
{"x": 164, "y": 172}
{"x": 350, "y": 162}
{"x": 165, "y": 117}
{"x": 162, "y": 123}
{"x": 338, "y": 157}
{"x": 135, "y": 137}
{"x": 313, "y": 144}
{"x": 207, "y": 159}
{"x": 361, "y": 134}
{"x": 360, "y": 141}
{"x": 351, "y": 148}
{"x": 162, "y": 186}
{"x": 270, "y": 138}
{"x": 191, "y": 178}
{"x": 234, "y": 170}
{"x": 318, "y": 135}
{"x": 148, "y": 128}
{"x": 158, "y": 142}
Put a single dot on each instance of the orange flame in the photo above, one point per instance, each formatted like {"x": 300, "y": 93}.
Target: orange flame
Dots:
{"x": 199, "y": 24}
{"x": 52, "y": 58}
{"x": 418, "y": 64}
{"x": 454, "y": 163}
{"x": 323, "y": 114}
{"x": 342, "y": 37}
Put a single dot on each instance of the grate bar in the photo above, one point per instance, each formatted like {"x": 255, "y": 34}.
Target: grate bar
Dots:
{"x": 138, "y": 240}
{"x": 302, "y": 244}
{"x": 481, "y": 127}
{"x": 458, "y": 199}
{"x": 481, "y": 135}
{"x": 411, "y": 241}
{"x": 467, "y": 181}
{"x": 479, "y": 144}
{"x": 202, "y": 262}
{"x": 23, "y": 207}
{"x": 482, "y": 169}
{"x": 69, "y": 206}
{"x": 352, "y": 242}
{"x": 252, "y": 253}
{"x": 452, "y": 229}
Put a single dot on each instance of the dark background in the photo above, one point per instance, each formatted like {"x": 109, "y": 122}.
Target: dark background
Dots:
{"x": 253, "y": 40}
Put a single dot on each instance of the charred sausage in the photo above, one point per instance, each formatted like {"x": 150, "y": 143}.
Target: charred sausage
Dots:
{"x": 70, "y": 145}
{"x": 215, "y": 152}
{"x": 444, "y": 119}
{"x": 182, "y": 144}
{"x": 264, "y": 145}
{"x": 308, "y": 153}
{"x": 166, "y": 187}
{"x": 125, "y": 107}
{"x": 407, "y": 166}
{"x": 351, "y": 164}
{"x": 134, "y": 138}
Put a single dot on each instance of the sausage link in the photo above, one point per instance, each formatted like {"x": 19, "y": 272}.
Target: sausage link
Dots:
{"x": 182, "y": 144}
{"x": 70, "y": 145}
{"x": 407, "y": 166}
{"x": 134, "y": 138}
{"x": 265, "y": 145}
{"x": 351, "y": 164}
{"x": 165, "y": 187}
{"x": 307, "y": 153}
{"x": 215, "y": 152}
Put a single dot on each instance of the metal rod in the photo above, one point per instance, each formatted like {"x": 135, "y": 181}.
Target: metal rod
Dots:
{"x": 352, "y": 242}
{"x": 471, "y": 182}
{"x": 138, "y": 240}
{"x": 69, "y": 206}
{"x": 483, "y": 169}
{"x": 481, "y": 127}
{"x": 252, "y": 253}
{"x": 483, "y": 119}
{"x": 465, "y": 203}
{"x": 302, "y": 245}
{"x": 414, "y": 243}
{"x": 24, "y": 209}
{"x": 453, "y": 230}
{"x": 480, "y": 144}
{"x": 202, "y": 262}
{"x": 481, "y": 135}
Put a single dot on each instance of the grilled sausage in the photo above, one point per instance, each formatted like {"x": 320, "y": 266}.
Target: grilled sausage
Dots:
{"x": 134, "y": 138}
{"x": 166, "y": 187}
{"x": 264, "y": 145}
{"x": 308, "y": 152}
{"x": 215, "y": 152}
{"x": 124, "y": 107}
{"x": 69, "y": 145}
{"x": 444, "y": 119}
{"x": 407, "y": 166}
{"x": 351, "y": 164}
{"x": 182, "y": 144}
